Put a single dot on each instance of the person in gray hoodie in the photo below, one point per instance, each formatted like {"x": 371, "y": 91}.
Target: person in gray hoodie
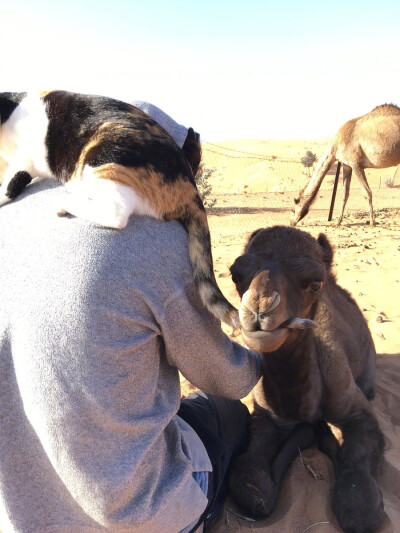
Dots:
{"x": 95, "y": 325}
{"x": 185, "y": 138}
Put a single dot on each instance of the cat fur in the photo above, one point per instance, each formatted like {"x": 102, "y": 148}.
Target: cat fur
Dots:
{"x": 114, "y": 160}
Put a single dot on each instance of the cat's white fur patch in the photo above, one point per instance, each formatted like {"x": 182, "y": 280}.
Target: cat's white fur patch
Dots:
{"x": 104, "y": 202}
{"x": 23, "y": 143}
{"x": 23, "y": 139}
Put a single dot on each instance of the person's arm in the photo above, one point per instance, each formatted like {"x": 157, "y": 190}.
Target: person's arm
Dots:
{"x": 197, "y": 346}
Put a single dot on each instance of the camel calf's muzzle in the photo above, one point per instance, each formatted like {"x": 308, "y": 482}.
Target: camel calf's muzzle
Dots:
{"x": 266, "y": 321}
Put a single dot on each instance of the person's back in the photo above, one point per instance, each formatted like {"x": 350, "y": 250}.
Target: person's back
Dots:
{"x": 93, "y": 326}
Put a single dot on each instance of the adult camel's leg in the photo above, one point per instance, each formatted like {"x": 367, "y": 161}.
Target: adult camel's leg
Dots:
{"x": 360, "y": 173}
{"x": 346, "y": 190}
{"x": 357, "y": 501}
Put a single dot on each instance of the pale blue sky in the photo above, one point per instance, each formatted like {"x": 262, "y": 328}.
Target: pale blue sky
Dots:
{"x": 232, "y": 70}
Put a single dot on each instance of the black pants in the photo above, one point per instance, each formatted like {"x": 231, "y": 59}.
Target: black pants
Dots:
{"x": 222, "y": 426}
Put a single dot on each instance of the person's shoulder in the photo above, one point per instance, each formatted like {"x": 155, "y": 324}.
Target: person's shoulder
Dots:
{"x": 34, "y": 201}
{"x": 156, "y": 229}
{"x": 153, "y": 252}
{"x": 144, "y": 242}
{"x": 166, "y": 242}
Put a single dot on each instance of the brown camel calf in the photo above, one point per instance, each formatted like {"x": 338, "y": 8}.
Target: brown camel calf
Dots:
{"x": 318, "y": 367}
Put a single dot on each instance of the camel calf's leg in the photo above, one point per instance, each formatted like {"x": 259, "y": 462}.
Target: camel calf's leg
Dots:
{"x": 256, "y": 476}
{"x": 357, "y": 501}
{"x": 301, "y": 438}
{"x": 251, "y": 484}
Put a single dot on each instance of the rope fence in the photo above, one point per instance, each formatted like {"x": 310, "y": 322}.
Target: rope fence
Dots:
{"x": 253, "y": 185}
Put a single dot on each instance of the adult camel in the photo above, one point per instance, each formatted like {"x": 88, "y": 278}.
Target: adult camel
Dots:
{"x": 369, "y": 141}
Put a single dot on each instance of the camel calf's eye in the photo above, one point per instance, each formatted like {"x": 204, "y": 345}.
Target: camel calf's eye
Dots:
{"x": 315, "y": 285}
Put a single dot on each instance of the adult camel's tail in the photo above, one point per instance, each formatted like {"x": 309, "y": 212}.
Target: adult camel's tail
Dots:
{"x": 309, "y": 193}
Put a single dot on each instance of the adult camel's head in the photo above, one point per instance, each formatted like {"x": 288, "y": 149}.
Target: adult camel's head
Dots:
{"x": 279, "y": 278}
{"x": 299, "y": 211}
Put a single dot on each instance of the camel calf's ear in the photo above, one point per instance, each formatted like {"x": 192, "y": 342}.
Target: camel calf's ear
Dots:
{"x": 327, "y": 250}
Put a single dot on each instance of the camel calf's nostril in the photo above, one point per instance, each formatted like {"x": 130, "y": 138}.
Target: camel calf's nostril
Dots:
{"x": 255, "y": 304}
{"x": 269, "y": 303}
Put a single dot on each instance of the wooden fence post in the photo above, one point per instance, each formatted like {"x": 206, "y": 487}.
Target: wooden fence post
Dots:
{"x": 334, "y": 191}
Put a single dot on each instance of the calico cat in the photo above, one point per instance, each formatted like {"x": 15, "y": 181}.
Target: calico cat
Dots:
{"x": 114, "y": 160}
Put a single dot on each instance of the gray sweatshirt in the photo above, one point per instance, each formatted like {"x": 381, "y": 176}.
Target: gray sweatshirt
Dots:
{"x": 177, "y": 131}
{"x": 94, "y": 325}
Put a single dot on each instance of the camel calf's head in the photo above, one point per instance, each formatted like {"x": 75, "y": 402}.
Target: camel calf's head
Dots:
{"x": 279, "y": 278}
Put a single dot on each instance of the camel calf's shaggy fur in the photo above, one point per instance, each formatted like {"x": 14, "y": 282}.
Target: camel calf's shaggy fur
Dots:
{"x": 311, "y": 376}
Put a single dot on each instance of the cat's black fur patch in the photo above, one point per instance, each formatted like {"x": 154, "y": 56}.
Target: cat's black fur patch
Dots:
{"x": 18, "y": 183}
{"x": 8, "y": 102}
{"x": 72, "y": 123}
{"x": 192, "y": 149}
{"x": 140, "y": 143}
{"x": 130, "y": 151}
{"x": 126, "y": 146}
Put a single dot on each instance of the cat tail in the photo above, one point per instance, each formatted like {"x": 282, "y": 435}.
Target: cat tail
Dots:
{"x": 195, "y": 222}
